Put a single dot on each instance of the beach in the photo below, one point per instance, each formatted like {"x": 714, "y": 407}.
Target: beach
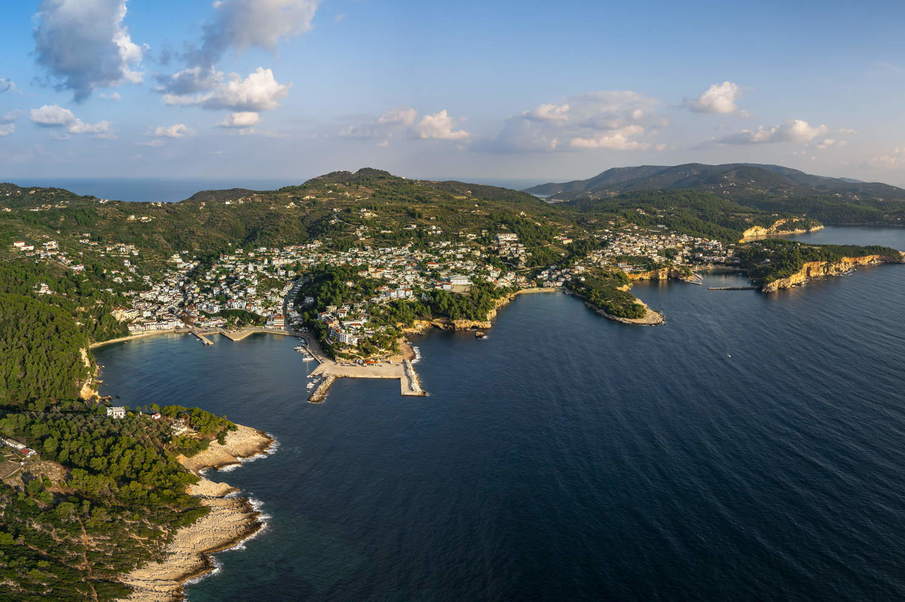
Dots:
{"x": 231, "y": 520}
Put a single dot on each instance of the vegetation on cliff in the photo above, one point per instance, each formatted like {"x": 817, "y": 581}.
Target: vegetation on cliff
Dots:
{"x": 101, "y": 496}
{"x": 605, "y": 290}
{"x": 769, "y": 260}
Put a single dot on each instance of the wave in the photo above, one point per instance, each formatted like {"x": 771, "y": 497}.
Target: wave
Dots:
{"x": 271, "y": 449}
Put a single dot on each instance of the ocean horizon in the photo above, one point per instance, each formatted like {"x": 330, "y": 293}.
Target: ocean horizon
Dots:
{"x": 170, "y": 190}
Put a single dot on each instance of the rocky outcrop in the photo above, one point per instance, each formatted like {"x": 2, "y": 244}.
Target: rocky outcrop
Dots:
{"x": 821, "y": 269}
{"x": 229, "y": 521}
{"x": 778, "y": 228}
{"x": 666, "y": 273}
{"x": 421, "y": 326}
{"x": 88, "y": 390}
{"x": 650, "y": 318}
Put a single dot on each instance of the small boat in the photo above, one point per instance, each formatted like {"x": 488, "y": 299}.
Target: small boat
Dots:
{"x": 480, "y": 334}
{"x": 309, "y": 386}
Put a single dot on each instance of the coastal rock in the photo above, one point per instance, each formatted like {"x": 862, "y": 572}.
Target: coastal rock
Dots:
{"x": 243, "y": 442}
{"x": 230, "y": 520}
{"x": 650, "y": 318}
{"x": 820, "y": 269}
{"x": 776, "y": 229}
{"x": 422, "y": 326}
{"x": 666, "y": 273}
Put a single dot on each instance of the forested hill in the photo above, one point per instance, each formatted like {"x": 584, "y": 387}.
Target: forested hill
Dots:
{"x": 771, "y": 188}
{"x": 733, "y": 180}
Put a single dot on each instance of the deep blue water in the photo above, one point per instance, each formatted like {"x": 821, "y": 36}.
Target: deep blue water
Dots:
{"x": 753, "y": 448}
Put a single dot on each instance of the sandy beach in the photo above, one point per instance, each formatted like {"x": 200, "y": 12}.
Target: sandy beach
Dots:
{"x": 230, "y": 521}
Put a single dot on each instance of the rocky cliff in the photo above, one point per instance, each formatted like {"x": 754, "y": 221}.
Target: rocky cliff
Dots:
{"x": 666, "y": 273}
{"x": 820, "y": 269}
{"x": 780, "y": 227}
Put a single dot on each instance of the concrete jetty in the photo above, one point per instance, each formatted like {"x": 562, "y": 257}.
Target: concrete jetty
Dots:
{"x": 320, "y": 392}
{"x": 200, "y": 336}
{"x": 330, "y": 370}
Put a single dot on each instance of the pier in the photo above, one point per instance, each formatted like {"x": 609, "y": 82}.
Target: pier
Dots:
{"x": 204, "y": 340}
{"x": 330, "y": 371}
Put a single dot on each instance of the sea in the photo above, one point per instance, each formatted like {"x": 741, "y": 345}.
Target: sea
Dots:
{"x": 169, "y": 190}
{"x": 752, "y": 448}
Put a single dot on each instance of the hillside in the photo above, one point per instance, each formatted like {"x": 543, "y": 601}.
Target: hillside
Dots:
{"x": 738, "y": 181}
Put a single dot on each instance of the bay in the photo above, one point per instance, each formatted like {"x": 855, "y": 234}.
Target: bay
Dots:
{"x": 753, "y": 448}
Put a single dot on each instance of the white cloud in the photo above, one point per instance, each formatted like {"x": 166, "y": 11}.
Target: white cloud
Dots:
{"x": 241, "y": 24}
{"x": 439, "y": 126}
{"x": 6, "y": 85}
{"x": 892, "y": 160}
{"x": 245, "y": 119}
{"x": 548, "y": 112}
{"x": 618, "y": 139}
{"x": 259, "y": 91}
{"x": 403, "y": 122}
{"x": 403, "y": 116}
{"x": 718, "y": 98}
{"x": 796, "y": 131}
{"x": 828, "y": 143}
{"x": 84, "y": 45}
{"x": 607, "y": 119}
{"x": 7, "y": 124}
{"x": 55, "y": 116}
{"x": 177, "y": 130}
{"x": 115, "y": 96}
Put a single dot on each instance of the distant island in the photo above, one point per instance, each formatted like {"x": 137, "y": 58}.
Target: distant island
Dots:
{"x": 352, "y": 262}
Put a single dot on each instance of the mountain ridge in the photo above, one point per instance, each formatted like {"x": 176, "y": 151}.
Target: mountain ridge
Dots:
{"x": 732, "y": 180}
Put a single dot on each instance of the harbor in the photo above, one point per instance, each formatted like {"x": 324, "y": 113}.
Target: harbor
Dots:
{"x": 328, "y": 371}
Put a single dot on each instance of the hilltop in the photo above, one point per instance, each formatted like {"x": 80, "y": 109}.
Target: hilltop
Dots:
{"x": 738, "y": 181}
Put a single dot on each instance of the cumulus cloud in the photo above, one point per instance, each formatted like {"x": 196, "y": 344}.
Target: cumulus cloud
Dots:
{"x": 244, "y": 119}
{"x": 56, "y": 117}
{"x": 439, "y": 126}
{"x": 405, "y": 116}
{"x": 6, "y": 85}
{"x": 718, "y": 98}
{"x": 618, "y": 139}
{"x": 608, "y": 119}
{"x": 403, "y": 122}
{"x": 892, "y": 160}
{"x": 260, "y": 91}
{"x": 241, "y": 24}
{"x": 796, "y": 131}
{"x": 548, "y": 112}
{"x": 237, "y": 25}
{"x": 177, "y": 130}
{"x": 83, "y": 45}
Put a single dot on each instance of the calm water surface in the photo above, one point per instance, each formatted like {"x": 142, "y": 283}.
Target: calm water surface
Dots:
{"x": 753, "y": 448}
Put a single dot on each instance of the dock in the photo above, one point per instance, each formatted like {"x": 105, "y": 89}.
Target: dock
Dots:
{"x": 320, "y": 392}
{"x": 201, "y": 337}
{"x": 330, "y": 371}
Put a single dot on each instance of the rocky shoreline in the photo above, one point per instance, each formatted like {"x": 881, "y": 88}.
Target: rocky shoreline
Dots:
{"x": 820, "y": 269}
{"x": 230, "y": 521}
{"x": 760, "y": 232}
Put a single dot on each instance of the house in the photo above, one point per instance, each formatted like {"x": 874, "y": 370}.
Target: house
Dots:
{"x": 116, "y": 412}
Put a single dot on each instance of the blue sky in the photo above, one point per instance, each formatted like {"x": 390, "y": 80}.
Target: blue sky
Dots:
{"x": 535, "y": 90}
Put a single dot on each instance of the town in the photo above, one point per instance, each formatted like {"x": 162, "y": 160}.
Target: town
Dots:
{"x": 260, "y": 286}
